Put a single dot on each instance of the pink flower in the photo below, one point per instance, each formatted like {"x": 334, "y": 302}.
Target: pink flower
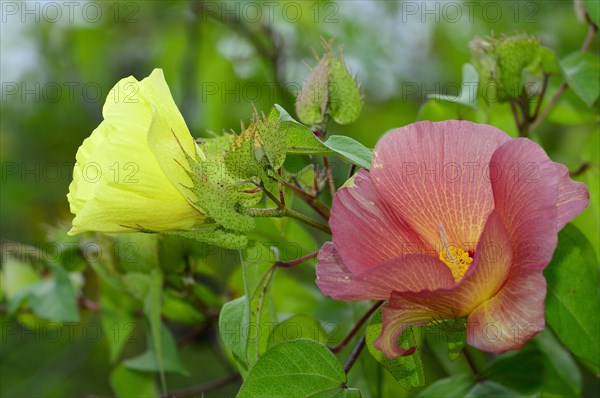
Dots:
{"x": 455, "y": 219}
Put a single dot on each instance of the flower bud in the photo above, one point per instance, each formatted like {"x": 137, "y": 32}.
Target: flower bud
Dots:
{"x": 512, "y": 64}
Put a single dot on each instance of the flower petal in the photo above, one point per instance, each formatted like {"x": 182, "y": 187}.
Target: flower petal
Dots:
{"x": 169, "y": 136}
{"x": 525, "y": 185}
{"x": 365, "y": 231}
{"x": 512, "y": 317}
{"x": 573, "y": 197}
{"x": 412, "y": 272}
{"x": 436, "y": 173}
{"x": 334, "y": 279}
{"x": 118, "y": 185}
{"x": 490, "y": 268}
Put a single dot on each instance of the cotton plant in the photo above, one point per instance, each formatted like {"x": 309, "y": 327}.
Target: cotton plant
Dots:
{"x": 446, "y": 225}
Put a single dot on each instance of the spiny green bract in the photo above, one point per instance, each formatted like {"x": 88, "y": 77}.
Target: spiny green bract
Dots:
{"x": 220, "y": 193}
{"x": 344, "y": 94}
{"x": 512, "y": 63}
{"x": 329, "y": 87}
{"x": 313, "y": 98}
{"x": 259, "y": 151}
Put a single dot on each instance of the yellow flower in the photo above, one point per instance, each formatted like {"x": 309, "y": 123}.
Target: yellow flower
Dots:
{"x": 131, "y": 172}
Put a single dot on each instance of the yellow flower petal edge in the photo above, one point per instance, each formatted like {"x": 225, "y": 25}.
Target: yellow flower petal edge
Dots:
{"x": 130, "y": 173}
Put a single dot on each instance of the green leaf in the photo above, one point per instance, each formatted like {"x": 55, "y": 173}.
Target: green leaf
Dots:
{"x": 176, "y": 308}
{"x": 173, "y": 253}
{"x": 581, "y": 71}
{"x": 17, "y": 275}
{"x": 437, "y": 111}
{"x": 571, "y": 110}
{"x": 488, "y": 389}
{"x": 562, "y": 373}
{"x": 152, "y": 311}
{"x": 136, "y": 284}
{"x": 151, "y": 361}
{"x": 593, "y": 10}
{"x": 299, "y": 138}
{"x": 206, "y": 295}
{"x": 407, "y": 370}
{"x": 230, "y": 328}
{"x": 69, "y": 250}
{"x": 258, "y": 269}
{"x": 337, "y": 393}
{"x": 53, "y": 298}
{"x": 350, "y": 149}
{"x": 454, "y": 331}
{"x": 299, "y": 326}
{"x": 297, "y": 368}
{"x": 543, "y": 365}
{"x": 118, "y": 321}
{"x": 450, "y": 387}
{"x": 135, "y": 252}
{"x": 572, "y": 302}
{"x": 127, "y": 383}
{"x": 292, "y": 296}
{"x": 468, "y": 90}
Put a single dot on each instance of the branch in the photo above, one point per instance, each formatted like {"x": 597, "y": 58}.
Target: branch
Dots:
{"x": 471, "y": 362}
{"x": 329, "y": 176}
{"x": 299, "y": 260}
{"x": 279, "y": 212}
{"x": 356, "y": 328}
{"x": 355, "y": 353}
{"x": 563, "y": 86}
{"x": 580, "y": 170}
{"x": 311, "y": 200}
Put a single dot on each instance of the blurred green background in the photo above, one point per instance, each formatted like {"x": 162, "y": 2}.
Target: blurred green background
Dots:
{"x": 221, "y": 59}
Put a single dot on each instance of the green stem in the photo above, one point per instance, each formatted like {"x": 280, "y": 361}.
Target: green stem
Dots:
{"x": 279, "y": 212}
{"x": 329, "y": 176}
{"x": 299, "y": 260}
{"x": 306, "y": 220}
{"x": 471, "y": 362}
{"x": 355, "y": 353}
{"x": 356, "y": 327}
{"x": 311, "y": 200}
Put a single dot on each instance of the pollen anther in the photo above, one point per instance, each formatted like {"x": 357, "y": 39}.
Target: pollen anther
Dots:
{"x": 457, "y": 260}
